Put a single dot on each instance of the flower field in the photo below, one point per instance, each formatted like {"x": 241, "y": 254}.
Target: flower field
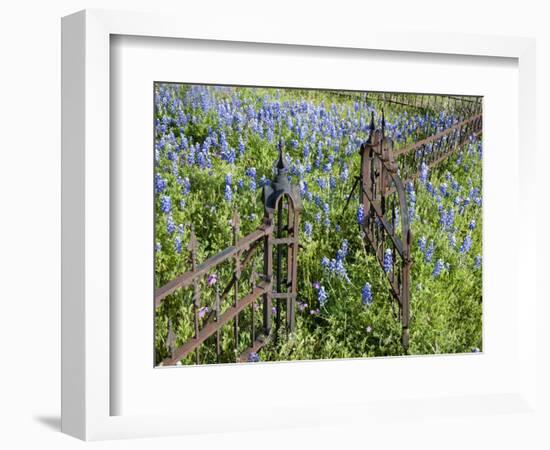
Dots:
{"x": 216, "y": 147}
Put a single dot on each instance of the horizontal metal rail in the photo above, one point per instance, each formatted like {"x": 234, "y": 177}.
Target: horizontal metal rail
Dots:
{"x": 187, "y": 278}
{"x": 261, "y": 341}
{"x": 211, "y": 328}
{"x": 435, "y": 137}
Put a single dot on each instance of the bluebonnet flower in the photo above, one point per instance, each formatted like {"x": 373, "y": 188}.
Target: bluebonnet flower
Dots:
{"x": 366, "y": 294}
{"x": 165, "y": 204}
{"x": 160, "y": 184}
{"x": 422, "y": 243}
{"x": 430, "y": 188}
{"x": 170, "y": 225}
{"x": 443, "y": 189}
{"x": 344, "y": 174}
{"x": 455, "y": 186}
{"x": 388, "y": 261}
{"x": 428, "y": 255}
{"x": 322, "y": 296}
{"x": 240, "y": 146}
{"x": 446, "y": 218}
{"x": 186, "y": 186}
{"x": 158, "y": 247}
{"x": 412, "y": 201}
{"x": 466, "y": 244}
{"x": 318, "y": 217}
{"x": 360, "y": 215}
{"x": 343, "y": 250}
{"x": 336, "y": 266}
{"x": 253, "y": 357}
{"x": 308, "y": 229}
{"x": 477, "y": 261}
{"x": 321, "y": 182}
{"x": 332, "y": 182}
{"x": 177, "y": 244}
{"x": 228, "y": 192}
{"x": 452, "y": 240}
{"x": 423, "y": 173}
{"x": 439, "y": 266}
{"x": 472, "y": 224}
{"x": 457, "y": 200}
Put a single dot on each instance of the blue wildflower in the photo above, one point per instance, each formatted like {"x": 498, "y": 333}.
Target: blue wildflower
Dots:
{"x": 165, "y": 204}
{"x": 228, "y": 193}
{"x": 388, "y": 261}
{"x": 322, "y": 296}
{"x": 423, "y": 173}
{"x": 466, "y": 244}
{"x": 160, "y": 184}
{"x": 422, "y": 243}
{"x": 428, "y": 255}
{"x": 170, "y": 225}
{"x": 360, "y": 215}
{"x": 178, "y": 244}
{"x": 366, "y": 294}
{"x": 253, "y": 357}
{"x": 439, "y": 266}
{"x": 477, "y": 261}
{"x": 308, "y": 229}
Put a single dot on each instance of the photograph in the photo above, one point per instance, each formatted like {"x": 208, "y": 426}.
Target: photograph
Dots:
{"x": 296, "y": 224}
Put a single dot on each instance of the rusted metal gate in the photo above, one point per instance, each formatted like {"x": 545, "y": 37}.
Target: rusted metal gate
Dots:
{"x": 279, "y": 234}
{"x": 385, "y": 225}
{"x": 384, "y": 222}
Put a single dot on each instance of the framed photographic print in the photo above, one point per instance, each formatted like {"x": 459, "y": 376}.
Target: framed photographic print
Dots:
{"x": 308, "y": 220}
{"x": 302, "y": 205}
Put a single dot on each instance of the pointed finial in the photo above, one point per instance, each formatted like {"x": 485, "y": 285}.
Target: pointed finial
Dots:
{"x": 371, "y": 123}
{"x": 192, "y": 246}
{"x": 235, "y": 219}
{"x": 281, "y": 162}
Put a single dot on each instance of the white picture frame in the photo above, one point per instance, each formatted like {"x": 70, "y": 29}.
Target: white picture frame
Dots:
{"x": 87, "y": 326}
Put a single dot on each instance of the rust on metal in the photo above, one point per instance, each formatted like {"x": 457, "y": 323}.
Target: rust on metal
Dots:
{"x": 211, "y": 328}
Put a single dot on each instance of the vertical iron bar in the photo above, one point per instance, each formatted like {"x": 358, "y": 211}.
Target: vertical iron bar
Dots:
{"x": 217, "y": 308}
{"x": 237, "y": 274}
{"x": 279, "y": 265}
{"x": 192, "y": 247}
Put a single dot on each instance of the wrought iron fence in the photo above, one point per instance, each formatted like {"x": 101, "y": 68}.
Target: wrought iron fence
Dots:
{"x": 279, "y": 234}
